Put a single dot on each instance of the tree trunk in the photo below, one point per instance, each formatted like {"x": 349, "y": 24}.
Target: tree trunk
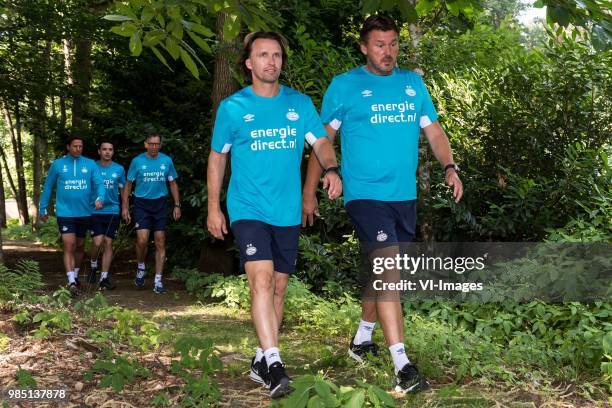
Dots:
{"x": 8, "y": 174}
{"x": 21, "y": 182}
{"x": 217, "y": 257}
{"x": 82, "y": 83}
{"x": 19, "y": 191}
{"x": 2, "y": 202}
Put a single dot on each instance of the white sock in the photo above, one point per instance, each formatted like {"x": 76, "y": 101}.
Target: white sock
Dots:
{"x": 272, "y": 356}
{"x": 140, "y": 273}
{"x": 76, "y": 272}
{"x": 70, "y": 277}
{"x": 398, "y": 353}
{"x": 364, "y": 332}
{"x": 141, "y": 266}
{"x": 259, "y": 354}
{"x": 94, "y": 264}
{"x": 103, "y": 276}
{"x": 158, "y": 279}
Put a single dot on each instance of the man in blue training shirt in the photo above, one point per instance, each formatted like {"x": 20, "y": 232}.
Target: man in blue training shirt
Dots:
{"x": 151, "y": 171}
{"x": 78, "y": 184}
{"x": 265, "y": 126}
{"x": 380, "y": 110}
{"x": 105, "y": 222}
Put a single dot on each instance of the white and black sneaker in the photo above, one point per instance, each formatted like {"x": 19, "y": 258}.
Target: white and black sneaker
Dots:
{"x": 259, "y": 372}
{"x": 359, "y": 352}
{"x": 409, "y": 380}
{"x": 279, "y": 381}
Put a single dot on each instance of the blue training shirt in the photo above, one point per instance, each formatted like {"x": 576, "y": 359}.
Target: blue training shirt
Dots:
{"x": 78, "y": 185}
{"x": 151, "y": 175}
{"x": 113, "y": 176}
{"x": 379, "y": 119}
{"x": 266, "y": 137}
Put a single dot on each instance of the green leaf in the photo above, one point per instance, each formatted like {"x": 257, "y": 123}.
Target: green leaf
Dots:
{"x": 116, "y": 17}
{"x": 386, "y": 399}
{"x": 231, "y": 27}
{"x": 198, "y": 28}
{"x": 117, "y": 382}
{"x": 423, "y": 7}
{"x": 147, "y": 14}
{"x": 173, "y": 48}
{"x": 191, "y": 66}
{"x": 201, "y": 42}
{"x": 408, "y": 11}
{"x": 136, "y": 44}
{"x": 125, "y": 30}
{"x": 176, "y": 29}
{"x": 357, "y": 399}
{"x": 154, "y": 37}
{"x": 370, "y": 6}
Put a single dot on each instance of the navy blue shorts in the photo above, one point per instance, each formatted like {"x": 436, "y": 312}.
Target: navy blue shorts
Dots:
{"x": 150, "y": 214}
{"x": 258, "y": 241}
{"x": 74, "y": 225}
{"x": 105, "y": 224}
{"x": 383, "y": 221}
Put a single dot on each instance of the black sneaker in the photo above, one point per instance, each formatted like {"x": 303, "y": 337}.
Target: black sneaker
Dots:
{"x": 91, "y": 277}
{"x": 106, "y": 284}
{"x": 259, "y": 372}
{"x": 74, "y": 290}
{"x": 279, "y": 381}
{"x": 78, "y": 283}
{"x": 409, "y": 380}
{"x": 360, "y": 351}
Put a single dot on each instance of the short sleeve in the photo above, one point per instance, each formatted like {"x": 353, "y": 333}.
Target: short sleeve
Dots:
{"x": 332, "y": 110}
{"x": 313, "y": 127}
{"x": 172, "y": 174}
{"x": 428, "y": 110}
{"x": 131, "y": 176}
{"x": 223, "y": 135}
{"x": 121, "y": 177}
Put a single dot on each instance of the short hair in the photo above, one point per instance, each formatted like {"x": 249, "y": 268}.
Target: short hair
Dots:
{"x": 380, "y": 22}
{"x": 105, "y": 141}
{"x": 153, "y": 134}
{"x": 247, "y": 47}
{"x": 73, "y": 138}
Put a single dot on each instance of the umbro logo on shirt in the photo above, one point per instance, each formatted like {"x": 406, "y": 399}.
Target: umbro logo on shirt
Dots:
{"x": 144, "y": 167}
{"x": 162, "y": 167}
{"x": 65, "y": 169}
{"x": 366, "y": 93}
{"x": 249, "y": 117}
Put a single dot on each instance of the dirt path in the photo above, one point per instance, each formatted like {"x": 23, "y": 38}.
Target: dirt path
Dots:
{"x": 122, "y": 274}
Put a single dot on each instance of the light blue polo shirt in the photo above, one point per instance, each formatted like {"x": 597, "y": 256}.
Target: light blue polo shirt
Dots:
{"x": 379, "y": 119}
{"x": 151, "y": 175}
{"x": 113, "y": 176}
{"x": 266, "y": 138}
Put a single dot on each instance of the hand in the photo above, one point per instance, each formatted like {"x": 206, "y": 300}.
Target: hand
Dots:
{"x": 453, "y": 180}
{"x": 44, "y": 218}
{"x": 99, "y": 204}
{"x": 333, "y": 184}
{"x": 125, "y": 213}
{"x": 176, "y": 213}
{"x": 216, "y": 224}
{"x": 310, "y": 208}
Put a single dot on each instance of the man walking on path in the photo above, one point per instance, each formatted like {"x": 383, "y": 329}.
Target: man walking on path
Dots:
{"x": 105, "y": 222}
{"x": 265, "y": 126}
{"x": 151, "y": 171}
{"x": 76, "y": 180}
{"x": 380, "y": 110}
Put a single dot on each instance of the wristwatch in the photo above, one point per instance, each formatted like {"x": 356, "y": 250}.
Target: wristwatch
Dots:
{"x": 451, "y": 166}
{"x": 177, "y": 205}
{"x": 334, "y": 169}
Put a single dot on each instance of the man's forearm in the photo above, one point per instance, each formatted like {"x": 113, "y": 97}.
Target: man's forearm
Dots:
{"x": 440, "y": 146}
{"x": 125, "y": 194}
{"x": 174, "y": 191}
{"x": 314, "y": 170}
{"x": 214, "y": 179}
